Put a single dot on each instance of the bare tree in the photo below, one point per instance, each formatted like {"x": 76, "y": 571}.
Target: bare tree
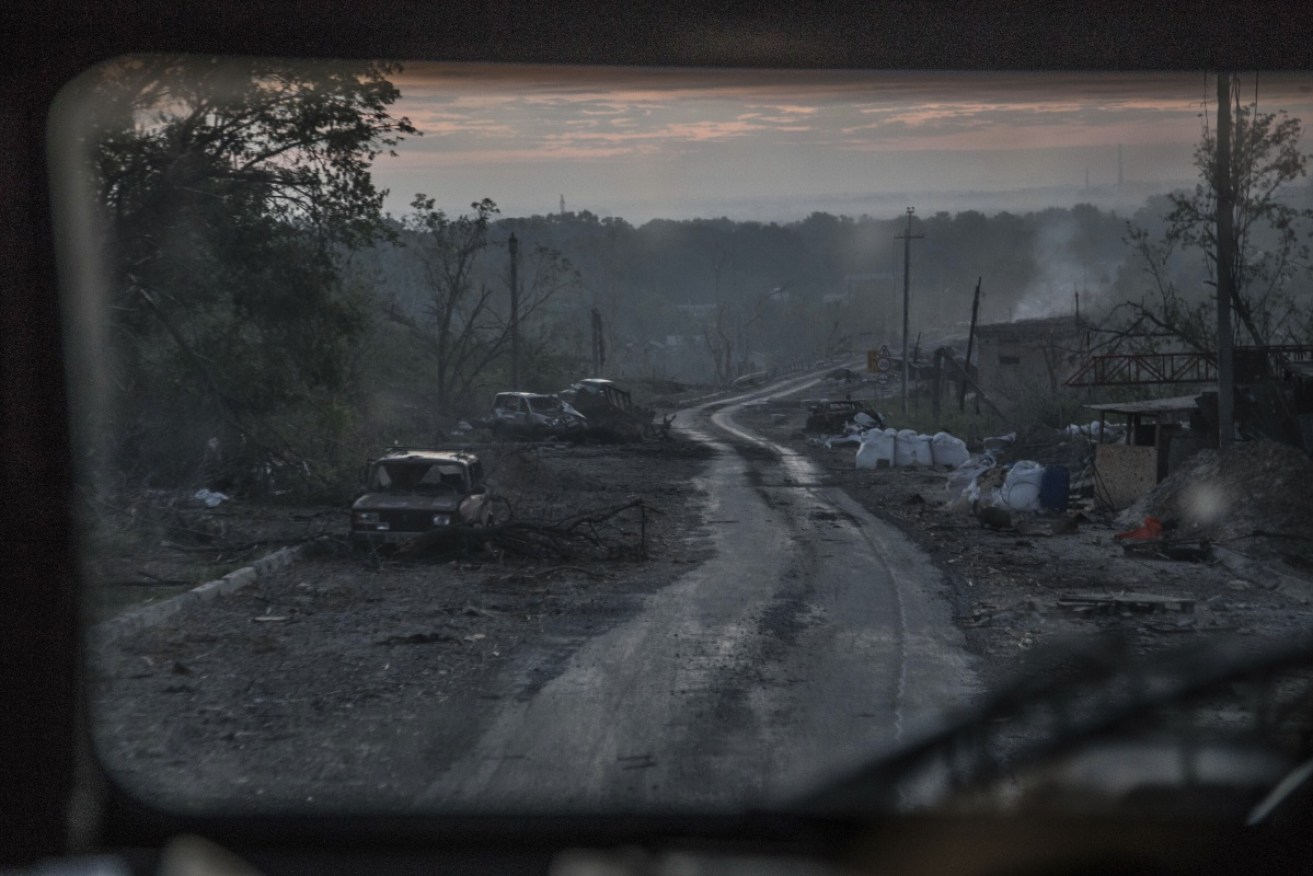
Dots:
{"x": 1267, "y": 243}
{"x": 720, "y": 344}
{"x": 470, "y": 326}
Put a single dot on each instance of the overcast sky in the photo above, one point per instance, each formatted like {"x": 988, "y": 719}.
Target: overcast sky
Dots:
{"x": 643, "y": 144}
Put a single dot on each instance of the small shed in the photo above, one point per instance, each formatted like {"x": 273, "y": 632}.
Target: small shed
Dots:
{"x": 1156, "y": 439}
{"x": 1017, "y": 360}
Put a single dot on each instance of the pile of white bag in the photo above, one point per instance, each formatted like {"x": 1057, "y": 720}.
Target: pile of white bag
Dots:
{"x": 981, "y": 483}
{"x": 907, "y": 447}
{"x": 1095, "y": 431}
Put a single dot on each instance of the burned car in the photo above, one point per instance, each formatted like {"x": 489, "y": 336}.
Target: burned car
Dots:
{"x": 411, "y": 492}
{"x": 829, "y": 417}
{"x": 845, "y": 375}
{"x": 610, "y": 408}
{"x": 534, "y": 414}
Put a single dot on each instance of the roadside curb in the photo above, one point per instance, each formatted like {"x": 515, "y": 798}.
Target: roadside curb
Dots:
{"x": 137, "y": 619}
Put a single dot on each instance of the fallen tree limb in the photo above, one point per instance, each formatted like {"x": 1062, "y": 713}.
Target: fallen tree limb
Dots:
{"x": 600, "y": 516}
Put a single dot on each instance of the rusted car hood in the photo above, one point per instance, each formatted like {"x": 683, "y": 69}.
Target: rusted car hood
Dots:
{"x": 406, "y": 502}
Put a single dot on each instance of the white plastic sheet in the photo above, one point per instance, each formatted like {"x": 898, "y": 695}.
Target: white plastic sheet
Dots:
{"x": 963, "y": 478}
{"x": 1095, "y": 431}
{"x": 864, "y": 420}
{"x": 210, "y": 498}
{"x": 841, "y": 440}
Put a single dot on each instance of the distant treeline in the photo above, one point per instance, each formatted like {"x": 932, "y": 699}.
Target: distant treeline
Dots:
{"x": 776, "y": 292}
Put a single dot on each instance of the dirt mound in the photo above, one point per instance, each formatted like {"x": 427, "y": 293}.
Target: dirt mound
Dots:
{"x": 1251, "y": 487}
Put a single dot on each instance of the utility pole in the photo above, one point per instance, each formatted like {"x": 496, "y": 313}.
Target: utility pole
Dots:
{"x": 599, "y": 345}
{"x": 514, "y": 246}
{"x": 907, "y": 237}
{"x": 971, "y": 339}
{"x": 1225, "y": 257}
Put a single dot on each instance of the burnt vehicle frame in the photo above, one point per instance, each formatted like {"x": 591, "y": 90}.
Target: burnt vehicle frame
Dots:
{"x": 830, "y": 415}
{"x": 612, "y": 409}
{"x": 409, "y": 492}
{"x": 534, "y": 414}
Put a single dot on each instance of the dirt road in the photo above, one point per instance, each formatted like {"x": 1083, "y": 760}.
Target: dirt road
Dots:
{"x": 776, "y": 634}
{"x": 814, "y": 636}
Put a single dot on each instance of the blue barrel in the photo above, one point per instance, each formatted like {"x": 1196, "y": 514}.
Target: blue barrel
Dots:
{"x": 1054, "y": 487}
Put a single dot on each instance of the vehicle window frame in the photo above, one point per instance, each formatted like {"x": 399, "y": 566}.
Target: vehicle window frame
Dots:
{"x": 39, "y": 428}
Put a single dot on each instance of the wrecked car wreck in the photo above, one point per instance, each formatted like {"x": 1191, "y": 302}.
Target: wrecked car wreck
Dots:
{"x": 611, "y": 411}
{"x": 411, "y": 492}
{"x": 533, "y": 414}
{"x": 830, "y": 416}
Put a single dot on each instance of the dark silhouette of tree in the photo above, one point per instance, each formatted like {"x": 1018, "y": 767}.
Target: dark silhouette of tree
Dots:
{"x": 467, "y": 327}
{"x": 1269, "y": 242}
{"x": 231, "y": 188}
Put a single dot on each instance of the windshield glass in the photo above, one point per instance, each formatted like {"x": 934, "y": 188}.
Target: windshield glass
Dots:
{"x": 546, "y": 404}
{"x": 418, "y": 476}
{"x": 922, "y": 374}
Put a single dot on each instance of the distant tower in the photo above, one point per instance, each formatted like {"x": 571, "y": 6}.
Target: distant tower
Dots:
{"x": 562, "y": 205}
{"x": 1119, "y": 165}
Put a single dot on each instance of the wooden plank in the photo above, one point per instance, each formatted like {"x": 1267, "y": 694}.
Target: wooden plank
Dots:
{"x": 1138, "y": 602}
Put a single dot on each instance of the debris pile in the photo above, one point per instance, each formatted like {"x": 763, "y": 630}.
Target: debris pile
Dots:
{"x": 1257, "y": 491}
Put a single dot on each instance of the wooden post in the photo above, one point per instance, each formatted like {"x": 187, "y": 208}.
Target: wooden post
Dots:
{"x": 971, "y": 337}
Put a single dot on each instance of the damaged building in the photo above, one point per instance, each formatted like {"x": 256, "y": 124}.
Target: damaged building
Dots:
{"x": 1030, "y": 357}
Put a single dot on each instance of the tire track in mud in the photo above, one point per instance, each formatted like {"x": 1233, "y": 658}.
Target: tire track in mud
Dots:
{"x": 826, "y": 615}
{"x": 785, "y": 660}
{"x": 797, "y": 472}
{"x": 936, "y": 672}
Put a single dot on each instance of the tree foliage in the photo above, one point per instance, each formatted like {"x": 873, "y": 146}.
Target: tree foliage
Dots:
{"x": 231, "y": 190}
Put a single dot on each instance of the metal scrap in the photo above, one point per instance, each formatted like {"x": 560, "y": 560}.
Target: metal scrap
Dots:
{"x": 1137, "y": 603}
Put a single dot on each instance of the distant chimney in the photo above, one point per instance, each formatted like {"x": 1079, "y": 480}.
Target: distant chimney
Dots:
{"x": 562, "y": 205}
{"x": 1119, "y": 166}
